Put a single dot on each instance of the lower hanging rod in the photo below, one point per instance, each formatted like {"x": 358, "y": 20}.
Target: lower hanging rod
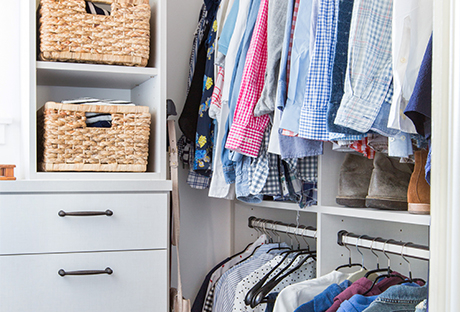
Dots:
{"x": 390, "y": 246}
{"x": 301, "y": 230}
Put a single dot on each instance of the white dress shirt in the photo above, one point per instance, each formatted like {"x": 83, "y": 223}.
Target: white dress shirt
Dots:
{"x": 291, "y": 297}
{"x": 412, "y": 28}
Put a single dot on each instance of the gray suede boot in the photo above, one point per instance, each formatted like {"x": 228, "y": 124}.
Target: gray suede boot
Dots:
{"x": 389, "y": 183}
{"x": 354, "y": 177}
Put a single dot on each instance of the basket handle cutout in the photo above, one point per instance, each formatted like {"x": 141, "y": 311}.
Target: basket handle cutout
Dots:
{"x": 98, "y": 120}
{"x": 99, "y": 7}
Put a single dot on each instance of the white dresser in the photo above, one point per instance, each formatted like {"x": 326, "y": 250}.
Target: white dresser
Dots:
{"x": 84, "y": 246}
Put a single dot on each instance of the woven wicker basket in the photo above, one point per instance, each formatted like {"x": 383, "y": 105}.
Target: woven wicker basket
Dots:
{"x": 68, "y": 33}
{"x": 65, "y": 143}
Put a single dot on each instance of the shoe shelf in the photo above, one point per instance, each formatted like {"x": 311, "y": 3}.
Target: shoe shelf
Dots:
{"x": 328, "y": 171}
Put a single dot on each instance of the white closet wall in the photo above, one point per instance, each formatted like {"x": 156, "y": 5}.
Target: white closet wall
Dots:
{"x": 10, "y": 107}
{"x": 205, "y": 222}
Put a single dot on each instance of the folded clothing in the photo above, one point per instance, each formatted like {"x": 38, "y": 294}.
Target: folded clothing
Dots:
{"x": 93, "y": 9}
{"x": 98, "y": 120}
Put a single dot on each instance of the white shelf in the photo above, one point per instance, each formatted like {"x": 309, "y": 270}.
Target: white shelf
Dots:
{"x": 362, "y": 213}
{"x": 92, "y": 75}
{"x": 94, "y": 186}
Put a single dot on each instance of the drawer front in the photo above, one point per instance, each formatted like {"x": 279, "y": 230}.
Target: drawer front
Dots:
{"x": 139, "y": 282}
{"x": 31, "y": 223}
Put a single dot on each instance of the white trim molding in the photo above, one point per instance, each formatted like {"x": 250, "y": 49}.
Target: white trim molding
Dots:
{"x": 445, "y": 177}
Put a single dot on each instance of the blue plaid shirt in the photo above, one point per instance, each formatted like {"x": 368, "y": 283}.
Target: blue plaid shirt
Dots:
{"x": 319, "y": 78}
{"x": 369, "y": 72}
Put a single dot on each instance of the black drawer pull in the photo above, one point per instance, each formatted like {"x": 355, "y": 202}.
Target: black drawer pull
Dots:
{"x": 107, "y": 213}
{"x": 107, "y": 270}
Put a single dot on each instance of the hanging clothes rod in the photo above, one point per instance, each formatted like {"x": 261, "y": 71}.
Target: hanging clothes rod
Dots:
{"x": 378, "y": 244}
{"x": 301, "y": 230}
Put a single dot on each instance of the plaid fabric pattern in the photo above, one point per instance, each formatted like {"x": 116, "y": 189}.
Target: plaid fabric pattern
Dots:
{"x": 369, "y": 71}
{"x": 259, "y": 168}
{"x": 197, "y": 39}
{"x": 272, "y": 185}
{"x": 247, "y": 131}
{"x": 319, "y": 78}
{"x": 307, "y": 169}
{"x": 362, "y": 147}
{"x": 291, "y": 39}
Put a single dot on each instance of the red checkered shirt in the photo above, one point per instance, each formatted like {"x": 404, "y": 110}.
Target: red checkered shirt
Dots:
{"x": 246, "y": 133}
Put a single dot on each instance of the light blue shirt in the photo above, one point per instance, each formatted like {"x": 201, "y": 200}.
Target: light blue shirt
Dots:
{"x": 319, "y": 78}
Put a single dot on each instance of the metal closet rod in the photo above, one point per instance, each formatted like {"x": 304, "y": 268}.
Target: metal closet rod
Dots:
{"x": 301, "y": 230}
{"x": 391, "y": 246}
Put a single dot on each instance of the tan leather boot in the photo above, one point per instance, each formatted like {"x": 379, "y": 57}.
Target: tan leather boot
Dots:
{"x": 354, "y": 176}
{"x": 389, "y": 183}
{"x": 418, "y": 193}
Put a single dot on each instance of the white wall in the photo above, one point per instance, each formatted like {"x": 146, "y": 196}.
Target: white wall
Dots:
{"x": 10, "y": 92}
{"x": 205, "y": 222}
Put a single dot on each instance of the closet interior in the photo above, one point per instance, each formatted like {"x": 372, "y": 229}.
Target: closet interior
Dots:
{"x": 369, "y": 78}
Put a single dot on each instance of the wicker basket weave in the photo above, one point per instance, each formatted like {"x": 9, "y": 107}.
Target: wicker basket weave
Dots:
{"x": 68, "y": 33}
{"x": 65, "y": 143}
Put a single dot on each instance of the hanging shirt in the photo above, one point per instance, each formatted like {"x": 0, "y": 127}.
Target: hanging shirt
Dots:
{"x": 260, "y": 169}
{"x": 340, "y": 67}
{"x": 275, "y": 35}
{"x": 324, "y": 300}
{"x": 399, "y": 298}
{"x": 318, "y": 87}
{"x": 412, "y": 27}
{"x": 250, "y": 251}
{"x": 357, "y": 303}
{"x": 369, "y": 70}
{"x": 361, "y": 286}
{"x": 197, "y": 39}
{"x": 305, "y": 272}
{"x": 298, "y": 61}
{"x": 226, "y": 286}
{"x": 295, "y": 295}
{"x": 246, "y": 132}
{"x": 230, "y": 158}
{"x": 218, "y": 187}
{"x": 223, "y": 43}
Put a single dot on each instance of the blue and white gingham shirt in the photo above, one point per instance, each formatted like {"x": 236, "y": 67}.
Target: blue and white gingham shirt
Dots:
{"x": 224, "y": 292}
{"x": 369, "y": 69}
{"x": 319, "y": 78}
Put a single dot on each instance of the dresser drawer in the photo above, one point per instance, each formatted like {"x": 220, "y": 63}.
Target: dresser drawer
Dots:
{"x": 31, "y": 223}
{"x": 139, "y": 282}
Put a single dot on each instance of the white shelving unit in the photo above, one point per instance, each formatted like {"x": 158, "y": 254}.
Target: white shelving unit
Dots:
{"x": 329, "y": 218}
{"x": 57, "y": 81}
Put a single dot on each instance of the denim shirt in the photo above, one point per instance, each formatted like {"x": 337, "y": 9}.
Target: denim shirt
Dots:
{"x": 324, "y": 300}
{"x": 399, "y": 298}
{"x": 357, "y": 303}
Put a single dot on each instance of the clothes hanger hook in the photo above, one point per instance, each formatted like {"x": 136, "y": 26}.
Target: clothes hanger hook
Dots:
{"x": 270, "y": 239}
{"x": 288, "y": 234}
{"x": 276, "y": 232}
{"x": 304, "y": 239}
{"x": 405, "y": 259}
{"x": 357, "y": 248}
{"x": 384, "y": 252}
{"x": 349, "y": 250}
{"x": 372, "y": 250}
{"x": 295, "y": 234}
